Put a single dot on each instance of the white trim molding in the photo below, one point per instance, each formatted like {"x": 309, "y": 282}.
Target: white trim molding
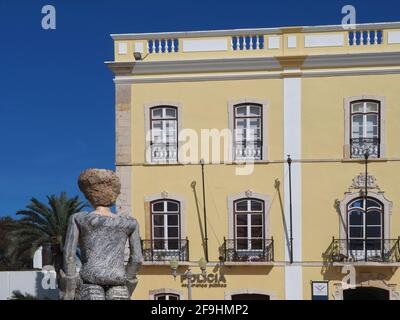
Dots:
{"x": 271, "y": 294}
{"x": 153, "y": 293}
{"x": 204, "y": 45}
{"x": 168, "y": 196}
{"x": 292, "y": 147}
{"x": 265, "y": 124}
{"x": 393, "y": 37}
{"x": 380, "y": 196}
{"x": 368, "y": 280}
{"x": 325, "y": 40}
{"x": 147, "y": 128}
{"x": 246, "y": 195}
{"x": 382, "y": 121}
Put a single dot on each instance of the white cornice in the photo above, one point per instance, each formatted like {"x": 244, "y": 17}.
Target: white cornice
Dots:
{"x": 269, "y": 64}
{"x": 252, "y": 31}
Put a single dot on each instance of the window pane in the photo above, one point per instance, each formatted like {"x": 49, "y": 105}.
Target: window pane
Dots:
{"x": 158, "y": 206}
{"x": 241, "y": 205}
{"x": 157, "y": 113}
{"x": 256, "y": 244}
{"x": 159, "y": 232}
{"x": 241, "y": 232}
{"x": 173, "y": 232}
{"x": 373, "y": 244}
{"x": 373, "y": 204}
{"x": 173, "y": 244}
{"x": 372, "y": 107}
{"x": 373, "y": 218}
{"x": 241, "y": 244}
{"x": 241, "y": 219}
{"x": 357, "y": 204}
{"x": 356, "y": 244}
{"x": 170, "y": 112}
{"x": 158, "y": 219}
{"x": 372, "y": 126}
{"x": 357, "y": 107}
{"x": 356, "y": 232}
{"x": 256, "y": 232}
{"x": 161, "y": 297}
{"x": 256, "y": 205}
{"x": 256, "y": 219}
{"x": 159, "y": 244}
{"x": 356, "y": 218}
{"x": 172, "y": 206}
{"x": 357, "y": 126}
{"x": 255, "y": 111}
{"x": 373, "y": 232}
{"x": 241, "y": 111}
{"x": 173, "y": 297}
{"x": 172, "y": 220}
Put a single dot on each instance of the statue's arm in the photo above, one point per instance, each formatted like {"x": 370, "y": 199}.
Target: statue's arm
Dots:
{"x": 135, "y": 258}
{"x": 68, "y": 274}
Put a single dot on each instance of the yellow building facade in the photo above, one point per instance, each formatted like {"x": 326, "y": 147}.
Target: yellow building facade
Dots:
{"x": 324, "y": 95}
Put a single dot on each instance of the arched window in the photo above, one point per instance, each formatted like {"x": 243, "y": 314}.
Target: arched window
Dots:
{"x": 249, "y": 225}
{"x": 248, "y": 129}
{"x": 166, "y": 224}
{"x": 365, "y": 121}
{"x": 164, "y": 134}
{"x": 365, "y": 228}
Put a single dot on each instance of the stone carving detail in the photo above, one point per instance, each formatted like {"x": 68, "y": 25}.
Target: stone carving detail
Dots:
{"x": 359, "y": 182}
{"x": 249, "y": 193}
{"x": 164, "y": 194}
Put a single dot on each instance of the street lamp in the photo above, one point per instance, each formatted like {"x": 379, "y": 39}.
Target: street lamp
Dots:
{"x": 174, "y": 264}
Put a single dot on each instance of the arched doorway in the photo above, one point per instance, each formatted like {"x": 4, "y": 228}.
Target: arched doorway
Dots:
{"x": 250, "y": 296}
{"x": 366, "y": 293}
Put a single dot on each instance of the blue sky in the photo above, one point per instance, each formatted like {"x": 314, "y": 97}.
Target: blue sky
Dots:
{"x": 57, "y": 96}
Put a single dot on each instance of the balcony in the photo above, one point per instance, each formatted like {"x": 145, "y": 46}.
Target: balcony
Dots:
{"x": 165, "y": 250}
{"x": 364, "y": 250}
{"x": 360, "y": 145}
{"x": 248, "y": 250}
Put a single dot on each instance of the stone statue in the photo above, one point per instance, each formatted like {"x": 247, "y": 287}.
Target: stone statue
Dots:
{"x": 102, "y": 237}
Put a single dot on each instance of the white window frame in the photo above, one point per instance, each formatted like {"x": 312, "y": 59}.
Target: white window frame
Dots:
{"x": 165, "y": 214}
{"x": 347, "y": 105}
{"x": 264, "y": 125}
{"x": 148, "y": 133}
{"x": 249, "y": 213}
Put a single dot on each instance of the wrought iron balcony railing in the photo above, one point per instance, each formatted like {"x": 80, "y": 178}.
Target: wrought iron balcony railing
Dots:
{"x": 245, "y": 151}
{"x": 164, "y": 152}
{"x": 165, "y": 249}
{"x": 367, "y": 250}
{"x": 248, "y": 250}
{"x": 360, "y": 145}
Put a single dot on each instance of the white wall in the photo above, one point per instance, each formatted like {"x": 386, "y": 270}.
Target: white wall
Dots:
{"x": 41, "y": 284}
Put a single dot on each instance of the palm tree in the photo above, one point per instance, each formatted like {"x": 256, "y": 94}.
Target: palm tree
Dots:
{"x": 45, "y": 225}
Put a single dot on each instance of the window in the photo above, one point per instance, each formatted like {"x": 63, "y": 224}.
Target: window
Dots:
{"x": 166, "y": 296}
{"x": 248, "y": 128}
{"x": 249, "y": 225}
{"x": 166, "y": 225}
{"x": 164, "y": 134}
{"x": 365, "y": 128}
{"x": 365, "y": 227}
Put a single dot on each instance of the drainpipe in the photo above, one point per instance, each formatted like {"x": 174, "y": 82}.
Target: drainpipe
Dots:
{"x": 204, "y": 211}
{"x": 289, "y": 162}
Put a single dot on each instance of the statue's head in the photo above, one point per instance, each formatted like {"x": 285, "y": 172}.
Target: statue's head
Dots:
{"x": 100, "y": 186}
